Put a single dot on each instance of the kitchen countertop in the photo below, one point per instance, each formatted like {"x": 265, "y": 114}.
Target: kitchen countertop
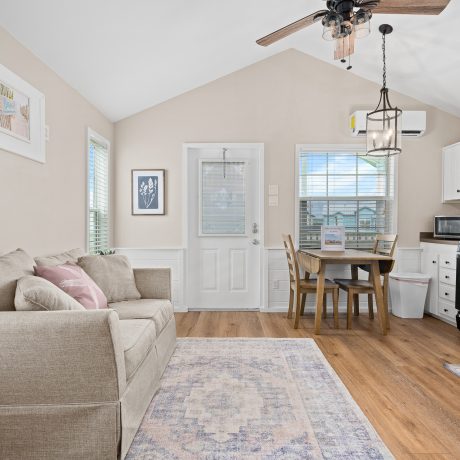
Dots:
{"x": 427, "y": 237}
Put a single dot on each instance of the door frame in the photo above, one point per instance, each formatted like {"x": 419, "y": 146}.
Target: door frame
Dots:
{"x": 260, "y": 147}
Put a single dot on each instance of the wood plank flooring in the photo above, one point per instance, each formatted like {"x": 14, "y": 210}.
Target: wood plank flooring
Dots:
{"x": 397, "y": 380}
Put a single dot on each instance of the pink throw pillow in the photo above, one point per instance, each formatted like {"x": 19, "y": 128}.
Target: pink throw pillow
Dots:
{"x": 75, "y": 282}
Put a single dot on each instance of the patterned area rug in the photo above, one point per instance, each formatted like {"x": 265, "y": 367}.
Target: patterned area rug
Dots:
{"x": 253, "y": 399}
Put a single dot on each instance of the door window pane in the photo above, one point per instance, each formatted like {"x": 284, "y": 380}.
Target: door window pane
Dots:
{"x": 223, "y": 198}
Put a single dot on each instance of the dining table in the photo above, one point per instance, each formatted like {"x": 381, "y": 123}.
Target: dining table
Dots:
{"x": 315, "y": 261}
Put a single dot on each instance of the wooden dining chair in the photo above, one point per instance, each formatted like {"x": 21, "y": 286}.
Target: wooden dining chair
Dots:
{"x": 385, "y": 245}
{"x": 299, "y": 288}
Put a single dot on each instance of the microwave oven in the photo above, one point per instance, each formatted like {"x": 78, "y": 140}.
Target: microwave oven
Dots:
{"x": 447, "y": 227}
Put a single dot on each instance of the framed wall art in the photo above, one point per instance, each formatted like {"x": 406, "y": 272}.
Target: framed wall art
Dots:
{"x": 22, "y": 117}
{"x": 332, "y": 238}
{"x": 148, "y": 192}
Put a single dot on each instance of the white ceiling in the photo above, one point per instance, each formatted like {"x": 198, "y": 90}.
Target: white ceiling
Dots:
{"x": 125, "y": 56}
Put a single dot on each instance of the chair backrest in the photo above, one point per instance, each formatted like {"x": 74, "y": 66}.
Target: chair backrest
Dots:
{"x": 294, "y": 271}
{"x": 385, "y": 244}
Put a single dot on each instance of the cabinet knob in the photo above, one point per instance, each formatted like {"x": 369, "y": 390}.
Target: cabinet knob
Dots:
{"x": 458, "y": 191}
{"x": 445, "y": 310}
{"x": 434, "y": 261}
{"x": 446, "y": 293}
{"x": 447, "y": 277}
{"x": 447, "y": 262}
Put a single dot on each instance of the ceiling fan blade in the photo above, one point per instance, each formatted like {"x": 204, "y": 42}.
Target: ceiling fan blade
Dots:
{"x": 367, "y": 4}
{"x": 411, "y": 6}
{"x": 291, "y": 28}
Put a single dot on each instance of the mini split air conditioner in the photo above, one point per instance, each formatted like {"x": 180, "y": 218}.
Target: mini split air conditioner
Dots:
{"x": 413, "y": 123}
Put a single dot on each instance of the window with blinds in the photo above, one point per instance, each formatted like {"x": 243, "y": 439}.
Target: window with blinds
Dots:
{"x": 346, "y": 189}
{"x": 98, "y": 196}
{"x": 223, "y": 198}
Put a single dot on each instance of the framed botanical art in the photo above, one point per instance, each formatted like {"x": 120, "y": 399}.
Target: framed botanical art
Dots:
{"x": 148, "y": 192}
{"x": 22, "y": 117}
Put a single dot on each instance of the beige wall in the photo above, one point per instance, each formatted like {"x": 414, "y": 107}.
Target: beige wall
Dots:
{"x": 285, "y": 100}
{"x": 42, "y": 206}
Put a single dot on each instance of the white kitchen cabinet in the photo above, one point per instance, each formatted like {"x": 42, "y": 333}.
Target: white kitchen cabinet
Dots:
{"x": 430, "y": 266}
{"x": 451, "y": 173}
{"x": 439, "y": 261}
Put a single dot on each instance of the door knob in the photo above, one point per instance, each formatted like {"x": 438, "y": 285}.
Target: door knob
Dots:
{"x": 255, "y": 242}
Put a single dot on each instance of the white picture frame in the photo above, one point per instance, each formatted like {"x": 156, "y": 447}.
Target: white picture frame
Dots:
{"x": 148, "y": 192}
{"x": 332, "y": 238}
{"x": 22, "y": 117}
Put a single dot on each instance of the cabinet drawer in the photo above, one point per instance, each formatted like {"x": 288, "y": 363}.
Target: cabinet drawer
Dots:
{"x": 447, "y": 276}
{"x": 447, "y": 292}
{"x": 447, "y": 310}
{"x": 448, "y": 261}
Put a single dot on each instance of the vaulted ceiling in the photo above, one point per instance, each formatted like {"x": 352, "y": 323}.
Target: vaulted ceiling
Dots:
{"x": 126, "y": 56}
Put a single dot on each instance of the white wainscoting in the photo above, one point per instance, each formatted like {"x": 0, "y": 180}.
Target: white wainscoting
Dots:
{"x": 162, "y": 258}
{"x": 276, "y": 283}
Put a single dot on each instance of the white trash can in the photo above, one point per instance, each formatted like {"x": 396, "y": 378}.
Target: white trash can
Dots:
{"x": 408, "y": 294}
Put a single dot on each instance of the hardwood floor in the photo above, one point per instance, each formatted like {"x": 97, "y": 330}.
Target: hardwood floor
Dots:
{"x": 397, "y": 380}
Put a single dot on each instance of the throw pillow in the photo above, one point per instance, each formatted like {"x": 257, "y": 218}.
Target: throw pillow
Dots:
{"x": 75, "y": 282}
{"x": 13, "y": 266}
{"x": 59, "y": 259}
{"x": 113, "y": 274}
{"x": 34, "y": 293}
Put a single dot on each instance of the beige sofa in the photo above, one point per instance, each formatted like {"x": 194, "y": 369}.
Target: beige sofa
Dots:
{"x": 76, "y": 384}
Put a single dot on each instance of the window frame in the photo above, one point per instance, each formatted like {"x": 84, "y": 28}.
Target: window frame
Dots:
{"x": 339, "y": 148}
{"x": 95, "y": 136}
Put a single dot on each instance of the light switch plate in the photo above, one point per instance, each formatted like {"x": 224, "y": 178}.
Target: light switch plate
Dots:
{"x": 273, "y": 189}
{"x": 273, "y": 200}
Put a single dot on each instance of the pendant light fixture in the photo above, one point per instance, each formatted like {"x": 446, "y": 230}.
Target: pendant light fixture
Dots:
{"x": 383, "y": 125}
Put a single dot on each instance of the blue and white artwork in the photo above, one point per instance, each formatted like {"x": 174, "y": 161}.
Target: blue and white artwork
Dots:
{"x": 148, "y": 192}
{"x": 148, "y": 196}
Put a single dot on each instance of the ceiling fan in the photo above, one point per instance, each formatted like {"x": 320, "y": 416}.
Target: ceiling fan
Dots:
{"x": 345, "y": 20}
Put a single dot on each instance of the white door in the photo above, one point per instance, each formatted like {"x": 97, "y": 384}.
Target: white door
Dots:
{"x": 224, "y": 226}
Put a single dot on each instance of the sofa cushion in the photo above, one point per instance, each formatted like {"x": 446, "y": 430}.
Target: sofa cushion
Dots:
{"x": 74, "y": 281}
{"x": 158, "y": 311}
{"x": 113, "y": 274}
{"x": 34, "y": 293}
{"x": 13, "y": 266}
{"x": 58, "y": 259}
{"x": 138, "y": 337}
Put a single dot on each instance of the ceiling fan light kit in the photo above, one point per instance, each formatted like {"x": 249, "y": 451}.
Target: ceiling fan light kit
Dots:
{"x": 362, "y": 23}
{"x": 384, "y": 124}
{"x": 346, "y": 20}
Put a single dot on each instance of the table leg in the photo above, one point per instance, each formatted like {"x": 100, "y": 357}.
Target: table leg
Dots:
{"x": 379, "y": 299}
{"x": 354, "y": 276}
{"x": 319, "y": 297}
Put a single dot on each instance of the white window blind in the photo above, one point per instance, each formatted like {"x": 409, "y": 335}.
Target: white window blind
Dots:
{"x": 98, "y": 196}
{"x": 345, "y": 189}
{"x": 223, "y": 198}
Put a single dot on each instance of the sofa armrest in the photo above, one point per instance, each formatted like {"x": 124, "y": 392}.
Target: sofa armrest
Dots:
{"x": 60, "y": 357}
{"x": 153, "y": 283}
